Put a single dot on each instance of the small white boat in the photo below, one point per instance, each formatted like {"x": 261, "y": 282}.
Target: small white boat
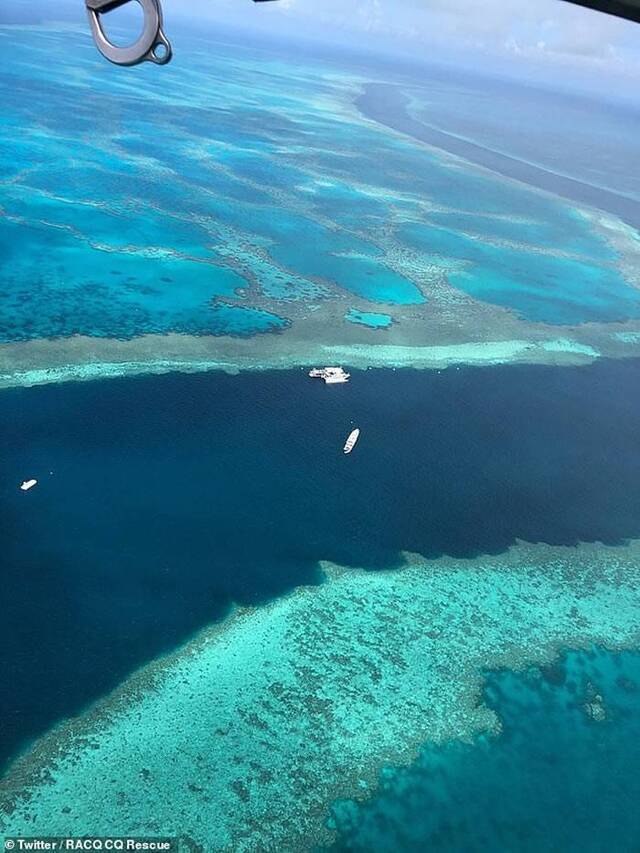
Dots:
{"x": 28, "y": 484}
{"x": 350, "y": 443}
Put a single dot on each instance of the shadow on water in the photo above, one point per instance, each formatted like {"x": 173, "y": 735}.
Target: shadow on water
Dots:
{"x": 173, "y": 497}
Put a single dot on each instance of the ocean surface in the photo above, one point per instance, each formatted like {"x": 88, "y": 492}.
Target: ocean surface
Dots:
{"x": 573, "y": 146}
{"x": 162, "y": 501}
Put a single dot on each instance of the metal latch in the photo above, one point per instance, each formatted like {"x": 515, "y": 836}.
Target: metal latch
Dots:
{"x": 152, "y": 44}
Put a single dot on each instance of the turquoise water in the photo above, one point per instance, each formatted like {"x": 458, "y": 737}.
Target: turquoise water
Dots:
{"x": 232, "y": 194}
{"x": 538, "y": 285}
{"x": 369, "y": 318}
{"x": 55, "y": 287}
{"x": 562, "y": 775}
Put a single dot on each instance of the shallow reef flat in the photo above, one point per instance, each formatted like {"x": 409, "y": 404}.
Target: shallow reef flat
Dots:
{"x": 242, "y": 739}
{"x": 411, "y": 342}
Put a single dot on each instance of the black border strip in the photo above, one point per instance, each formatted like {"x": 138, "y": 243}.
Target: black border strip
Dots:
{"x": 629, "y": 9}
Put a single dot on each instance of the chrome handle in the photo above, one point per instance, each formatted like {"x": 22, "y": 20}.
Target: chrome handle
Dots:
{"x": 152, "y": 44}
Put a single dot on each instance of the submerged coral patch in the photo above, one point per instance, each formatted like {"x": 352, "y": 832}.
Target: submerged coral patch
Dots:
{"x": 242, "y": 739}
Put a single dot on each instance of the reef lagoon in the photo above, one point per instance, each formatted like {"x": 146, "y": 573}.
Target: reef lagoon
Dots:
{"x": 372, "y": 319}
{"x": 231, "y": 212}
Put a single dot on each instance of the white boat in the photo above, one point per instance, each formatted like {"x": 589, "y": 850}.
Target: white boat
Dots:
{"x": 350, "y": 443}
{"x": 331, "y": 375}
{"x": 28, "y": 484}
